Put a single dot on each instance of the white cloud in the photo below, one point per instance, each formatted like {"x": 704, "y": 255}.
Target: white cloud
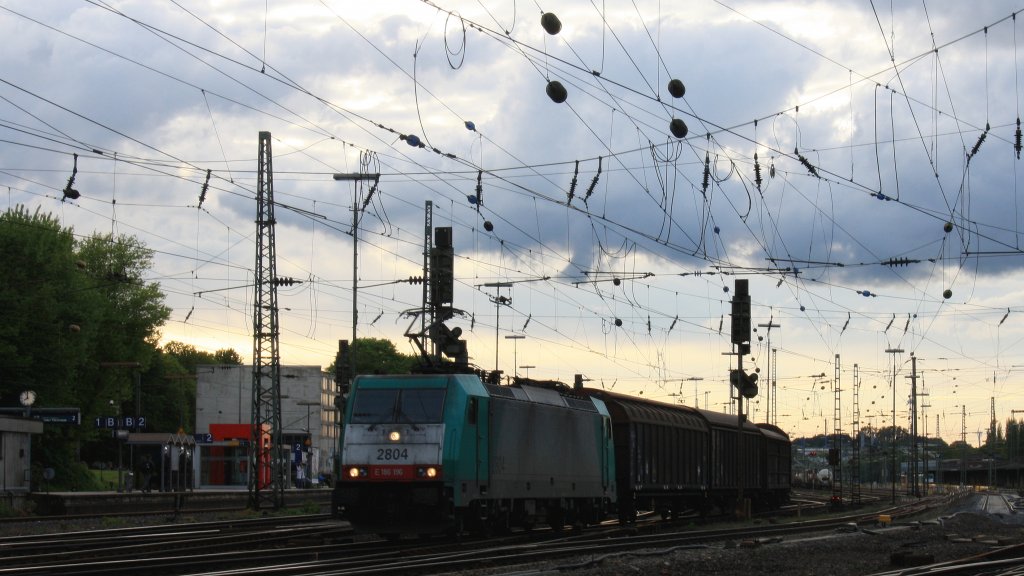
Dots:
{"x": 338, "y": 80}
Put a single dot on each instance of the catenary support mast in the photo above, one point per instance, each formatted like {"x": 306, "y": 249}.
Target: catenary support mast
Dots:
{"x": 266, "y": 459}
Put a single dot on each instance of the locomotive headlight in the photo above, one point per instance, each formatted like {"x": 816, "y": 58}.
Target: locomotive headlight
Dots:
{"x": 395, "y": 436}
{"x": 431, "y": 472}
{"x": 427, "y": 472}
{"x": 354, "y": 472}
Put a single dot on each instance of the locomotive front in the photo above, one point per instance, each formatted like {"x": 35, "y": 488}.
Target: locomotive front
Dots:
{"x": 392, "y": 448}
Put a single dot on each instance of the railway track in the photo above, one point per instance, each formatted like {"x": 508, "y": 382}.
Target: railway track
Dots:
{"x": 298, "y": 545}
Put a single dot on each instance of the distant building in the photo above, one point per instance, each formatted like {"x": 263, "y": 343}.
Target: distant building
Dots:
{"x": 309, "y": 424}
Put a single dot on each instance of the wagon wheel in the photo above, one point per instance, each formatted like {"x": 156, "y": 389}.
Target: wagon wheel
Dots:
{"x": 556, "y": 519}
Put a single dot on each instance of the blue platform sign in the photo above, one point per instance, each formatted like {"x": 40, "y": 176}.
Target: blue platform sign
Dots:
{"x": 120, "y": 421}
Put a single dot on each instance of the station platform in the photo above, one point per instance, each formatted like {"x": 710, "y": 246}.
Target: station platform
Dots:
{"x": 138, "y": 502}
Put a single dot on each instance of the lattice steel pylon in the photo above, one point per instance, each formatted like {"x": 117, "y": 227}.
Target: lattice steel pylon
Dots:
{"x": 835, "y": 455}
{"x": 266, "y": 459}
{"x": 855, "y": 447}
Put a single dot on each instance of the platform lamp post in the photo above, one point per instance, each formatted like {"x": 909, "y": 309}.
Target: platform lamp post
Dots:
{"x": 309, "y": 435}
{"x": 894, "y": 352}
{"x": 356, "y": 209}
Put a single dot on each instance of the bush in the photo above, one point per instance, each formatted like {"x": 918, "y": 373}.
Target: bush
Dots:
{"x": 67, "y": 477}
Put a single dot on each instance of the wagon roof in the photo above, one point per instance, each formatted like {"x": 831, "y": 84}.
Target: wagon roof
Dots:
{"x": 640, "y": 410}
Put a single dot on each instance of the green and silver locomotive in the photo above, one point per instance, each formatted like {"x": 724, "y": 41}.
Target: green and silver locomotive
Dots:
{"x": 427, "y": 453}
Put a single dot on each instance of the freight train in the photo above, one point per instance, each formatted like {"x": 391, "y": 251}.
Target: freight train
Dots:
{"x": 452, "y": 452}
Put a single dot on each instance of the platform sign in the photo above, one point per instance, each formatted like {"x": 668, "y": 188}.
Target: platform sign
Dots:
{"x": 59, "y": 417}
{"x": 48, "y": 415}
{"x": 120, "y": 421}
{"x": 203, "y": 438}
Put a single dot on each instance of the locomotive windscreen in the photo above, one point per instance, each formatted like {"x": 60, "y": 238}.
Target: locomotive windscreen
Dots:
{"x": 391, "y": 405}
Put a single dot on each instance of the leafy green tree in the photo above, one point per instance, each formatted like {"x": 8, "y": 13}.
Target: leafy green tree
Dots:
{"x": 80, "y": 324}
{"x": 227, "y": 356}
{"x": 169, "y": 395}
{"x": 50, "y": 309}
{"x": 379, "y": 356}
{"x": 131, "y": 311}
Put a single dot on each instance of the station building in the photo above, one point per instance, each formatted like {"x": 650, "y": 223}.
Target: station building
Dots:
{"x": 309, "y": 425}
{"x": 16, "y": 458}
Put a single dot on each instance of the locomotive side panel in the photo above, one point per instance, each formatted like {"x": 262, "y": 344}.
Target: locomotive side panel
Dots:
{"x": 545, "y": 451}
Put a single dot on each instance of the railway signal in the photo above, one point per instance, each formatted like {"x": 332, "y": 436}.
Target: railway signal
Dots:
{"x": 741, "y": 316}
{"x": 745, "y": 383}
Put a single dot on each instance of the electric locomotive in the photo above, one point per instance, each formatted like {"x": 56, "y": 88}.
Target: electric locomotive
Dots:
{"x": 428, "y": 453}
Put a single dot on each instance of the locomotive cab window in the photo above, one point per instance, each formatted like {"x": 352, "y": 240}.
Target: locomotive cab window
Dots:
{"x": 421, "y": 405}
{"x": 386, "y": 406}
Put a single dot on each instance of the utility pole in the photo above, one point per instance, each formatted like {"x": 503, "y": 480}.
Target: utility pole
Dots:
{"x": 515, "y": 351}
{"x": 771, "y": 376}
{"x": 913, "y": 423}
{"x": 498, "y": 302}
{"x": 993, "y": 440}
{"x": 358, "y": 204}
{"x": 696, "y": 398}
{"x": 894, "y": 352}
{"x": 835, "y": 455}
{"x": 963, "y": 445}
{"x": 1015, "y": 447}
{"x": 924, "y": 452}
{"x": 855, "y": 447}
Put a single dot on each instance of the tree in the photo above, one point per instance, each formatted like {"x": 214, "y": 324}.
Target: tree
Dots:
{"x": 71, "y": 306}
{"x": 227, "y": 356}
{"x": 168, "y": 395}
{"x": 47, "y": 300}
{"x": 130, "y": 313}
{"x": 379, "y": 356}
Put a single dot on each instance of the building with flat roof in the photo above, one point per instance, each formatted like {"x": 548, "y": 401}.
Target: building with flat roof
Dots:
{"x": 309, "y": 424}
{"x": 16, "y": 458}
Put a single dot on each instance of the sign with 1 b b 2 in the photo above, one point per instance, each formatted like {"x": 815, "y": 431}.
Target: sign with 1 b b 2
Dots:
{"x": 120, "y": 421}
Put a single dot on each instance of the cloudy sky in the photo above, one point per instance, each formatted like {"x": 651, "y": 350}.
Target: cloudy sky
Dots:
{"x": 856, "y": 162}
